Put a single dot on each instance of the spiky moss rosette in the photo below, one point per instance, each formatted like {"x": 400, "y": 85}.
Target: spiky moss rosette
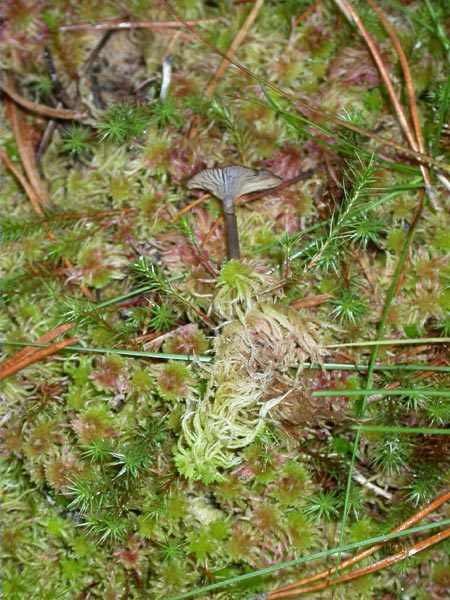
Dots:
{"x": 262, "y": 343}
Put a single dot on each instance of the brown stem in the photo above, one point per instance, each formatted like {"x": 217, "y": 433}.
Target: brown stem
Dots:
{"x": 233, "y": 250}
{"x": 29, "y": 190}
{"x": 414, "y": 136}
{"x": 23, "y": 134}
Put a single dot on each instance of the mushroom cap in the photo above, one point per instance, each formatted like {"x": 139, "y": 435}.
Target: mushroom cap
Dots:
{"x": 228, "y": 183}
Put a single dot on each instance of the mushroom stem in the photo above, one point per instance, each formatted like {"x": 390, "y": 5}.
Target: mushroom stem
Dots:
{"x": 232, "y": 236}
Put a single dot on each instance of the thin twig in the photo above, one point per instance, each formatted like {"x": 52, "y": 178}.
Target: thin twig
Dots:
{"x": 189, "y": 207}
{"x": 311, "y": 301}
{"x": 410, "y": 521}
{"x": 28, "y": 350}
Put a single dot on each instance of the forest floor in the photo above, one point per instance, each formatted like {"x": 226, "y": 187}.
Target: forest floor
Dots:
{"x": 176, "y": 424}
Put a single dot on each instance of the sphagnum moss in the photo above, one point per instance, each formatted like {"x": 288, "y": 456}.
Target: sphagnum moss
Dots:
{"x": 140, "y": 478}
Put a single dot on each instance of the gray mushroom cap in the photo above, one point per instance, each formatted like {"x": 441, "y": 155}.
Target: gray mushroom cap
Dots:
{"x": 228, "y": 183}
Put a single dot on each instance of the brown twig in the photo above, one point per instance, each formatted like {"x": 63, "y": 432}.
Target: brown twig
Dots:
{"x": 39, "y": 109}
{"x": 377, "y": 566}
{"x": 415, "y": 518}
{"x": 44, "y": 339}
{"x": 240, "y": 36}
{"x": 118, "y": 24}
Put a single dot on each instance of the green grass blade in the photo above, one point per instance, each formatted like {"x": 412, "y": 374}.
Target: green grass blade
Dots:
{"x": 395, "y": 342}
{"x": 390, "y": 295}
{"x": 119, "y": 352}
{"x": 414, "y": 430}
{"x": 445, "y": 393}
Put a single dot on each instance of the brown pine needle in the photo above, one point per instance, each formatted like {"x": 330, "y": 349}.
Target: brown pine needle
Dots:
{"x": 409, "y": 89}
{"x": 30, "y": 355}
{"x": 415, "y": 518}
{"x": 353, "y": 16}
{"x": 240, "y": 36}
{"x": 29, "y": 190}
{"x": 44, "y": 339}
{"x": 311, "y": 301}
{"x": 377, "y": 566}
{"x": 39, "y": 109}
{"x": 22, "y": 133}
{"x": 189, "y": 207}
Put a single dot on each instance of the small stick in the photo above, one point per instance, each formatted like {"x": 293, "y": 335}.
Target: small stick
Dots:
{"x": 45, "y": 140}
{"x": 166, "y": 77}
{"x": 95, "y": 52}
{"x": 411, "y": 94}
{"x": 189, "y": 207}
{"x": 311, "y": 301}
{"x": 28, "y": 350}
{"x": 57, "y": 86}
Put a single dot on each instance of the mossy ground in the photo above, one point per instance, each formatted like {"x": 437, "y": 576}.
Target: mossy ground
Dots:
{"x": 134, "y": 478}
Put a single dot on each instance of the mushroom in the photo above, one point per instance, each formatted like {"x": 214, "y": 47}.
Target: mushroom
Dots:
{"x": 227, "y": 184}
